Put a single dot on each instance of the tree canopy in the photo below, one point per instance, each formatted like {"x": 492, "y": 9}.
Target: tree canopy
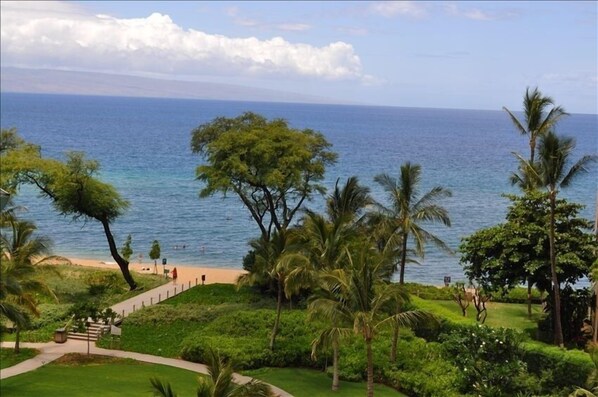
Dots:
{"x": 270, "y": 166}
{"x": 503, "y": 256}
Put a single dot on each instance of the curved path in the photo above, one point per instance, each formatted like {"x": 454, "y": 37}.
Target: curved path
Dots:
{"x": 51, "y": 351}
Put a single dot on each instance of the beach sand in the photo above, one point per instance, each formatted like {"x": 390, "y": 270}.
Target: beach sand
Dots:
{"x": 185, "y": 273}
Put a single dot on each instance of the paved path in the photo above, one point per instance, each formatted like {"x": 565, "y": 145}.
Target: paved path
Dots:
{"x": 51, "y": 351}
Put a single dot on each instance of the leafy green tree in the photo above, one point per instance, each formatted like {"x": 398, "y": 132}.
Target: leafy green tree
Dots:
{"x": 155, "y": 254}
{"x": 552, "y": 171}
{"x": 518, "y": 250}
{"x": 127, "y": 250}
{"x": 402, "y": 218}
{"x": 21, "y": 251}
{"x": 73, "y": 188}
{"x": 219, "y": 382}
{"x": 271, "y": 167}
{"x": 537, "y": 121}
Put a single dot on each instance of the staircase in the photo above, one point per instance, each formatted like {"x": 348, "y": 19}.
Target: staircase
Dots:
{"x": 95, "y": 331}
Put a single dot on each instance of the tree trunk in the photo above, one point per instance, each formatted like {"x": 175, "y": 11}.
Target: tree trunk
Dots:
{"x": 529, "y": 298}
{"x": 278, "y": 310}
{"x": 395, "y": 341}
{"x": 558, "y": 329}
{"x": 403, "y": 259}
{"x": 122, "y": 263}
{"x": 335, "y": 378}
{"x": 370, "y": 381}
{"x": 17, "y": 339}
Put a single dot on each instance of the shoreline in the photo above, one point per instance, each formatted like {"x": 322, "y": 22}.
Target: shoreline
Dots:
{"x": 185, "y": 273}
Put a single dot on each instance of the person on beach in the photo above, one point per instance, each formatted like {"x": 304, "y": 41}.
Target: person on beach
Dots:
{"x": 174, "y": 275}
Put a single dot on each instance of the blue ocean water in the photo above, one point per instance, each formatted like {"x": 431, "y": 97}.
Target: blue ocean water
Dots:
{"x": 143, "y": 147}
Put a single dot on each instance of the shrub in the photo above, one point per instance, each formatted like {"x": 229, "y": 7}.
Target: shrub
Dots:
{"x": 429, "y": 292}
{"x": 489, "y": 361}
{"x": 558, "y": 368}
{"x": 100, "y": 282}
{"x": 517, "y": 295}
{"x": 420, "y": 370}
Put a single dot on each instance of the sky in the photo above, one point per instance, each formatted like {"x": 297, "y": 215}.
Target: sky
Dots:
{"x": 443, "y": 54}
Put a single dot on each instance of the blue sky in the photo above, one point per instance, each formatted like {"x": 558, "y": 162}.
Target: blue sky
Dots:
{"x": 479, "y": 55}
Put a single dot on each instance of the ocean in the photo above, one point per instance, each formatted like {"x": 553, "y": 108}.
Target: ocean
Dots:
{"x": 143, "y": 146}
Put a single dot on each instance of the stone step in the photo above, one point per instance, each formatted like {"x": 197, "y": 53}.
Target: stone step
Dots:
{"x": 95, "y": 331}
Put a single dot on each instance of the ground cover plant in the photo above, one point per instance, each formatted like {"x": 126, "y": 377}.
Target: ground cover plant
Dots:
{"x": 8, "y": 357}
{"x": 76, "y": 284}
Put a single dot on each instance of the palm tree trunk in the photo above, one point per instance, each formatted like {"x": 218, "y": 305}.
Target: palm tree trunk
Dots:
{"x": 17, "y": 339}
{"x": 529, "y": 298}
{"x": 122, "y": 263}
{"x": 403, "y": 259}
{"x": 558, "y": 329}
{"x": 370, "y": 380}
{"x": 335, "y": 377}
{"x": 395, "y": 341}
{"x": 278, "y": 310}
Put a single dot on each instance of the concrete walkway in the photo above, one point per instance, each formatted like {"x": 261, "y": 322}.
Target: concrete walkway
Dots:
{"x": 51, "y": 351}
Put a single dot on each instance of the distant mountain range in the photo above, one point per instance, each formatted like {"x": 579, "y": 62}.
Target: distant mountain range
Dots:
{"x": 46, "y": 81}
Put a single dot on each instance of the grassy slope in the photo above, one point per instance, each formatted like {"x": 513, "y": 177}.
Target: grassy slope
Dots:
{"x": 8, "y": 358}
{"x": 508, "y": 315}
{"x": 68, "y": 284}
{"x": 311, "y": 383}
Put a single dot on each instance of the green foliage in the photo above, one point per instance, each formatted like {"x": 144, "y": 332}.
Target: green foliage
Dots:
{"x": 508, "y": 254}
{"x": 155, "y": 250}
{"x": 100, "y": 282}
{"x": 489, "y": 361}
{"x": 574, "y": 308}
{"x": 429, "y": 292}
{"x": 215, "y": 294}
{"x": 558, "y": 368}
{"x": 271, "y": 167}
{"x": 420, "y": 370}
{"x": 127, "y": 251}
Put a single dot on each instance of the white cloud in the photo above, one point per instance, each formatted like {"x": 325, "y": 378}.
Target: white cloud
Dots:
{"x": 393, "y": 8}
{"x": 476, "y": 14}
{"x": 294, "y": 27}
{"x": 61, "y": 35}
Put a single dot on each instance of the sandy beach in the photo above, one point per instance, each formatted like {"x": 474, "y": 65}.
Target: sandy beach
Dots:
{"x": 185, "y": 273}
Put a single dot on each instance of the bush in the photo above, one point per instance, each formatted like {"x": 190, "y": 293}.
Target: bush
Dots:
{"x": 517, "y": 295}
{"x": 429, "y": 292}
{"x": 421, "y": 370}
{"x": 489, "y": 361}
{"x": 99, "y": 282}
{"x": 558, "y": 368}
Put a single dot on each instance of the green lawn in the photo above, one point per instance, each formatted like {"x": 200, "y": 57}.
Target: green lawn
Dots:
{"x": 508, "y": 315}
{"x": 8, "y": 358}
{"x": 312, "y": 383}
{"x": 74, "y": 376}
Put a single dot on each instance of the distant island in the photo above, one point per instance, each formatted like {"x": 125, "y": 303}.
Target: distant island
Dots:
{"x": 46, "y": 81}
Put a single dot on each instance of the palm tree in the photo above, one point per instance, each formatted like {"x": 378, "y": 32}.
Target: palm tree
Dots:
{"x": 348, "y": 202}
{"x": 20, "y": 253}
{"x": 361, "y": 296}
{"x": 274, "y": 260}
{"x": 552, "y": 172}
{"x": 219, "y": 383}
{"x": 536, "y": 121}
{"x": 401, "y": 220}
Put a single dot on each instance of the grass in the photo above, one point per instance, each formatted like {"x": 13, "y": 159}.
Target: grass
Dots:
{"x": 79, "y": 376}
{"x": 70, "y": 285}
{"x": 311, "y": 383}
{"x": 507, "y": 315}
{"x": 8, "y": 358}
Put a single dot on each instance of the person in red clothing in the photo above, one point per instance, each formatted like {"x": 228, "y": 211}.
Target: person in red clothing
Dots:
{"x": 174, "y": 275}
